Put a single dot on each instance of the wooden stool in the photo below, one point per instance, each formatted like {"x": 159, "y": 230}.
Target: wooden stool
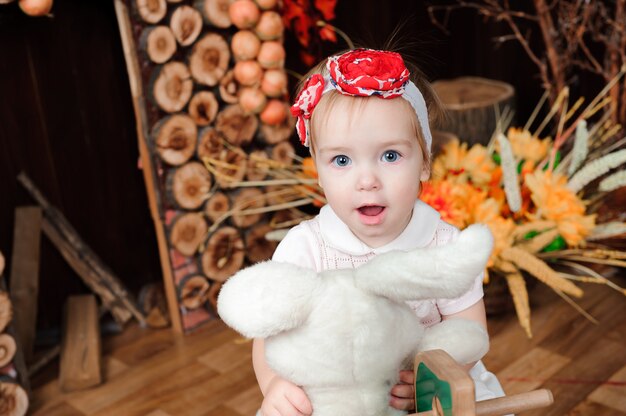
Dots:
{"x": 443, "y": 388}
{"x": 473, "y": 105}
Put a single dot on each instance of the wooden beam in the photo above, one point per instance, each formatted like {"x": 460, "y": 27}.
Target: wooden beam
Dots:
{"x": 149, "y": 174}
{"x": 82, "y": 258}
{"x": 43, "y": 360}
{"x": 75, "y": 259}
{"x": 81, "y": 346}
{"x": 24, "y": 281}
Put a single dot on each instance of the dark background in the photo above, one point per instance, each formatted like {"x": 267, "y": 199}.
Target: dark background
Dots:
{"x": 66, "y": 119}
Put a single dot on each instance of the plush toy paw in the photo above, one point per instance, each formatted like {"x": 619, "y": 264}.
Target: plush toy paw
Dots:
{"x": 466, "y": 341}
{"x": 267, "y": 298}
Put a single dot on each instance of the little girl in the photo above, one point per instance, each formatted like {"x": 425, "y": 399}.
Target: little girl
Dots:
{"x": 367, "y": 128}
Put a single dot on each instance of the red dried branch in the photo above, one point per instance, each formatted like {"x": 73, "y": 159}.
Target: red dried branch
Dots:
{"x": 543, "y": 69}
{"x": 585, "y": 65}
{"x": 549, "y": 34}
{"x": 585, "y": 29}
{"x": 576, "y": 18}
{"x": 620, "y": 34}
{"x": 494, "y": 11}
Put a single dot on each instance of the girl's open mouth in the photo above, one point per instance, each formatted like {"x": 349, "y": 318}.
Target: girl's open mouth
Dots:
{"x": 371, "y": 214}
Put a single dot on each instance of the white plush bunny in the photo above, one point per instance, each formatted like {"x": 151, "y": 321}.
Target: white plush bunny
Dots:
{"x": 343, "y": 335}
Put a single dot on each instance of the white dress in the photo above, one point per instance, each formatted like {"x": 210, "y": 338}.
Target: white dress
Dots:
{"x": 326, "y": 243}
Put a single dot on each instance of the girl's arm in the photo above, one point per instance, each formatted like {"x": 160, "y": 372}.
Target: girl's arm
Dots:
{"x": 402, "y": 394}
{"x": 264, "y": 373}
{"x": 476, "y": 313}
{"x": 281, "y": 397}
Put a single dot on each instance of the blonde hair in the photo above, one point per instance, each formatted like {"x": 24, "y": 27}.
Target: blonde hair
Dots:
{"x": 330, "y": 99}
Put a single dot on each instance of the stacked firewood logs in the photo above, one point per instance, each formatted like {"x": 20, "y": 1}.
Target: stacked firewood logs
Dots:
{"x": 219, "y": 126}
{"x": 13, "y": 398}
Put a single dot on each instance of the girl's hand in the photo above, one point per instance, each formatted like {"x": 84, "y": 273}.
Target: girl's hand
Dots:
{"x": 403, "y": 393}
{"x": 283, "y": 398}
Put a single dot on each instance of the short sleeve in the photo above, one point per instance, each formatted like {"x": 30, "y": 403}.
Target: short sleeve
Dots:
{"x": 445, "y": 234}
{"x": 299, "y": 247}
{"x": 452, "y": 306}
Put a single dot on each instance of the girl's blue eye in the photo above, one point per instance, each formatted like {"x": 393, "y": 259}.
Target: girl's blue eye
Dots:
{"x": 341, "y": 160}
{"x": 391, "y": 156}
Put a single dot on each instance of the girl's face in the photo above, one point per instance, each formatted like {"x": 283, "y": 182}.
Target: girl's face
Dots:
{"x": 370, "y": 165}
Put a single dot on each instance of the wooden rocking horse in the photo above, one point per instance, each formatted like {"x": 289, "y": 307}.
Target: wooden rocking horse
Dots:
{"x": 443, "y": 388}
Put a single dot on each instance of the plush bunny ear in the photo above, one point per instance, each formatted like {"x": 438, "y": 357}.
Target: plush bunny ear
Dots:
{"x": 429, "y": 273}
{"x": 267, "y": 298}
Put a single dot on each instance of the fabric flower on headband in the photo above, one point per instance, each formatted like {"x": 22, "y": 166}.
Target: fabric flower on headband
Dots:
{"x": 360, "y": 73}
{"x": 305, "y": 103}
{"x": 365, "y": 72}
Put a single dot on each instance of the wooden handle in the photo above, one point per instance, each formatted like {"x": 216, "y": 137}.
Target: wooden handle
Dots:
{"x": 515, "y": 404}
{"x": 507, "y": 404}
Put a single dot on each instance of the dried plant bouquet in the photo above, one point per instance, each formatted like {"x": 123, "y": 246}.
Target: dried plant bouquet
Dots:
{"x": 538, "y": 195}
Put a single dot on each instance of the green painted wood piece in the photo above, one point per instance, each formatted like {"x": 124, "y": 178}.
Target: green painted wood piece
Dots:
{"x": 427, "y": 387}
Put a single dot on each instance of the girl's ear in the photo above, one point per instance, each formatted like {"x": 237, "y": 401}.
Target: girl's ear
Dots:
{"x": 425, "y": 175}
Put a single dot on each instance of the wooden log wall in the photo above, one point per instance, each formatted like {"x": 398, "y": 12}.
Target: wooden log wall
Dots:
{"x": 13, "y": 377}
{"x": 210, "y": 92}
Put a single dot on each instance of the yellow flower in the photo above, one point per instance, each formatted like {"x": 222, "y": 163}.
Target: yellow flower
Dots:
{"x": 469, "y": 198}
{"x": 575, "y": 229}
{"x": 528, "y": 147}
{"x": 479, "y": 165}
{"x": 449, "y": 163}
{"x": 459, "y": 165}
{"x": 556, "y": 202}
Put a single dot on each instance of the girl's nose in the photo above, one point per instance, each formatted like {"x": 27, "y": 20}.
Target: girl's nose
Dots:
{"x": 368, "y": 180}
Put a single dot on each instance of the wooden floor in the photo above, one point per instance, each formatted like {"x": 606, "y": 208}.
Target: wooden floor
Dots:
{"x": 209, "y": 373}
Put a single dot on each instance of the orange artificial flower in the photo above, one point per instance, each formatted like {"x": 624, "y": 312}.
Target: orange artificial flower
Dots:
{"x": 450, "y": 162}
{"x": 455, "y": 201}
{"x": 554, "y": 201}
{"x": 488, "y": 212}
{"x": 460, "y": 165}
{"x": 438, "y": 194}
{"x": 310, "y": 172}
{"x": 479, "y": 165}
{"x": 527, "y": 167}
{"x": 469, "y": 197}
{"x": 308, "y": 167}
{"x": 528, "y": 147}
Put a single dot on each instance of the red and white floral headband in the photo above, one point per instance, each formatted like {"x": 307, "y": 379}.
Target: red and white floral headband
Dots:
{"x": 360, "y": 73}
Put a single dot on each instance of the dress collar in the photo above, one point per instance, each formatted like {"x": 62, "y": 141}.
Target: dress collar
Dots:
{"x": 418, "y": 233}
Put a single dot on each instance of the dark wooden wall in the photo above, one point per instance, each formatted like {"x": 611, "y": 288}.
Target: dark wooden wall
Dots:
{"x": 468, "y": 49}
{"x": 66, "y": 119}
